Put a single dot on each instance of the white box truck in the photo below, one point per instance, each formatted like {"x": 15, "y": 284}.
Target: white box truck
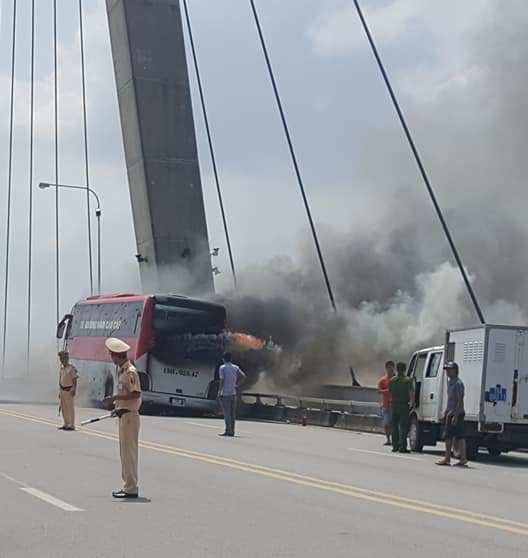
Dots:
{"x": 493, "y": 364}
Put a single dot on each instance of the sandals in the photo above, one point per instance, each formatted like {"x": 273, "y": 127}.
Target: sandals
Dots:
{"x": 443, "y": 463}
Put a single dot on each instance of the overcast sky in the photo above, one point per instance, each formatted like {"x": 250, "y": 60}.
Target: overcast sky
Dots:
{"x": 451, "y": 63}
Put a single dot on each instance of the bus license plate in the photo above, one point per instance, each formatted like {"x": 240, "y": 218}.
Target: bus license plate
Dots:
{"x": 177, "y": 402}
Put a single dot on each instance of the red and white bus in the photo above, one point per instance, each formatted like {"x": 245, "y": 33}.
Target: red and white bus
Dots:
{"x": 176, "y": 345}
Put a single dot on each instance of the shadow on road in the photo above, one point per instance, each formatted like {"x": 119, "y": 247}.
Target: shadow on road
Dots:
{"x": 514, "y": 460}
{"x": 139, "y": 500}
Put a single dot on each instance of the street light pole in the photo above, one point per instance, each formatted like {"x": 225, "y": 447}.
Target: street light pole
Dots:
{"x": 98, "y": 213}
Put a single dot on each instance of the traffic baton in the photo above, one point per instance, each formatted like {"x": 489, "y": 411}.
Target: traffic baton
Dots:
{"x": 97, "y": 419}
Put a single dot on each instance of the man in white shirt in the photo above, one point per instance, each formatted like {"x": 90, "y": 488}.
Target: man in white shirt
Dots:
{"x": 231, "y": 378}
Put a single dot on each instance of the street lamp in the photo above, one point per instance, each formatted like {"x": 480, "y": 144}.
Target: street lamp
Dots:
{"x": 98, "y": 212}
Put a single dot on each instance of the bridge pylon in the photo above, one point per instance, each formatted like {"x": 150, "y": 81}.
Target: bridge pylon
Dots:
{"x": 159, "y": 138}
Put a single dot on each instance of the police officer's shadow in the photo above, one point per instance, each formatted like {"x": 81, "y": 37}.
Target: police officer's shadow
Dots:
{"x": 139, "y": 500}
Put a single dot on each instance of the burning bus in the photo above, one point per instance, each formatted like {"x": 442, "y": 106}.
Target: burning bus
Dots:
{"x": 176, "y": 345}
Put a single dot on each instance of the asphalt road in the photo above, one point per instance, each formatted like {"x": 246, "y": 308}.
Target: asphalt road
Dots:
{"x": 276, "y": 490}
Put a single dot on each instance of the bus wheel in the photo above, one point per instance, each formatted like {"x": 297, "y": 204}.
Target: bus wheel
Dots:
{"x": 415, "y": 435}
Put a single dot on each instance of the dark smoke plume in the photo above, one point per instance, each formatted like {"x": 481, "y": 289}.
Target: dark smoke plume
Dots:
{"x": 396, "y": 284}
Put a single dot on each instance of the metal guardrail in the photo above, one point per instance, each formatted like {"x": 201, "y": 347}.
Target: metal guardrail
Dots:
{"x": 336, "y": 413}
{"x": 314, "y": 403}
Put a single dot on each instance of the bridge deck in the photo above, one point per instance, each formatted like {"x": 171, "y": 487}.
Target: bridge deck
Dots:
{"x": 276, "y": 490}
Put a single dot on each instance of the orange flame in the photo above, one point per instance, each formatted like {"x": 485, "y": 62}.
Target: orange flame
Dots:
{"x": 246, "y": 341}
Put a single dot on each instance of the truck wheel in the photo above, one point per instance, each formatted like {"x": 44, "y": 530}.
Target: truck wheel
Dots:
{"x": 415, "y": 435}
{"x": 472, "y": 448}
{"x": 494, "y": 452}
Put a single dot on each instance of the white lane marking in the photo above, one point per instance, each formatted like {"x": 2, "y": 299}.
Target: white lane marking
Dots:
{"x": 42, "y": 495}
{"x": 397, "y": 456}
{"x": 50, "y": 499}
{"x": 12, "y": 479}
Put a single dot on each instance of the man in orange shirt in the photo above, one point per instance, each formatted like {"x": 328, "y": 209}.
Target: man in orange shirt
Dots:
{"x": 383, "y": 389}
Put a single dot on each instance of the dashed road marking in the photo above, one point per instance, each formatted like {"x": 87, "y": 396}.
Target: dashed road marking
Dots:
{"x": 42, "y": 495}
{"x": 50, "y": 499}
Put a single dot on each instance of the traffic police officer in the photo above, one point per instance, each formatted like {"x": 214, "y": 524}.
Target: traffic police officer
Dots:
{"x": 127, "y": 402}
{"x": 400, "y": 389}
{"x": 67, "y": 386}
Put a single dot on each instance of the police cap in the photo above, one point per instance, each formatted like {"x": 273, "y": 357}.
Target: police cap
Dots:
{"x": 115, "y": 345}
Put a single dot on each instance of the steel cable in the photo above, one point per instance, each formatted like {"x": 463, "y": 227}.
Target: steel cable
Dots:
{"x": 418, "y": 160}
{"x": 9, "y": 188}
{"x": 86, "y": 159}
{"x": 56, "y": 118}
{"x": 209, "y": 139}
{"x": 30, "y": 217}
{"x": 293, "y": 156}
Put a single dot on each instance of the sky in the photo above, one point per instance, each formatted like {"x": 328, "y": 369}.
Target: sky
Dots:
{"x": 457, "y": 68}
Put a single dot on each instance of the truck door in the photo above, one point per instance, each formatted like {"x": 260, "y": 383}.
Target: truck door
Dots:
{"x": 520, "y": 377}
{"x": 431, "y": 383}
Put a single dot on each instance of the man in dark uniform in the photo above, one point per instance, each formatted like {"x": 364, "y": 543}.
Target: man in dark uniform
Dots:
{"x": 400, "y": 389}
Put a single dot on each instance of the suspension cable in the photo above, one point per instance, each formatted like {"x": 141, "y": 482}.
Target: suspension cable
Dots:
{"x": 418, "y": 159}
{"x": 210, "y": 141}
{"x": 30, "y": 217}
{"x": 293, "y": 156}
{"x": 86, "y": 159}
{"x": 56, "y": 115}
{"x": 9, "y": 187}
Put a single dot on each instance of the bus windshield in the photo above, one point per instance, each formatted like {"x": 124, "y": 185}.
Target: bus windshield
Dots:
{"x": 180, "y": 320}
{"x": 188, "y": 330}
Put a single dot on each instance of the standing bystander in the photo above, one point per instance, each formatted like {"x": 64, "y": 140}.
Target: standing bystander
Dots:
{"x": 231, "y": 378}
{"x": 454, "y": 416}
{"x": 67, "y": 387}
{"x": 383, "y": 389}
{"x": 401, "y": 394}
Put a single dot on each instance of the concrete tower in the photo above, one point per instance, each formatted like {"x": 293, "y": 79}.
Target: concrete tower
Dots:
{"x": 160, "y": 145}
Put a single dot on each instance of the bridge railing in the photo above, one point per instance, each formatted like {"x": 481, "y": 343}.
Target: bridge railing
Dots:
{"x": 311, "y": 403}
{"x": 353, "y": 415}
